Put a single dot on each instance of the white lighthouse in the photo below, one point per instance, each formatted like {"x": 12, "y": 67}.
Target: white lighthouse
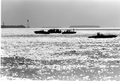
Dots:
{"x": 28, "y": 24}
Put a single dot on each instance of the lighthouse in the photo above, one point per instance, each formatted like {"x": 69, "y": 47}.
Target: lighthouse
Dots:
{"x": 28, "y": 24}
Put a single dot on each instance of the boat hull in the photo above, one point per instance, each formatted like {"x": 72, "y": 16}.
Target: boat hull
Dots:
{"x": 68, "y": 32}
{"x": 38, "y": 32}
{"x": 107, "y": 36}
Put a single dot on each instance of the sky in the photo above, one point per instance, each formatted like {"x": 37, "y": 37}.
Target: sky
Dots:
{"x": 61, "y": 13}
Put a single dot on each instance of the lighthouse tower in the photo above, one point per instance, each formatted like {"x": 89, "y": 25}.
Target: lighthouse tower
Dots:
{"x": 28, "y": 24}
{"x": 3, "y": 23}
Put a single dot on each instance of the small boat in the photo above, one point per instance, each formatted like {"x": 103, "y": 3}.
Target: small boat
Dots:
{"x": 102, "y": 36}
{"x": 41, "y": 32}
{"x": 54, "y": 31}
{"x": 69, "y": 32}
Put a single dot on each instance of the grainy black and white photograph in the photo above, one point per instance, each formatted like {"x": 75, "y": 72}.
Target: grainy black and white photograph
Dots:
{"x": 60, "y": 40}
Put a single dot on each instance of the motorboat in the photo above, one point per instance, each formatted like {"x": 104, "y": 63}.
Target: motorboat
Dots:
{"x": 41, "y": 32}
{"x": 102, "y": 36}
{"x": 69, "y": 32}
{"x": 54, "y": 31}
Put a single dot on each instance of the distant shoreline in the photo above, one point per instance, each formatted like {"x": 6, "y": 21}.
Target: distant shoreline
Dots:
{"x": 70, "y": 28}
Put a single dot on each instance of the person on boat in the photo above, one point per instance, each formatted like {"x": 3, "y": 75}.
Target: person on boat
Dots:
{"x": 98, "y": 34}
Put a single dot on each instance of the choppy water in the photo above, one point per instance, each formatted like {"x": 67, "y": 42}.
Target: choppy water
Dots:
{"x": 60, "y": 57}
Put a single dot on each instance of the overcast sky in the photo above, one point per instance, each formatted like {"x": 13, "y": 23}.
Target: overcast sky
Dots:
{"x": 63, "y": 13}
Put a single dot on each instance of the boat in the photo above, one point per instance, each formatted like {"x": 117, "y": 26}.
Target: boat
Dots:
{"x": 102, "y": 36}
{"x": 54, "y": 31}
{"x": 48, "y": 32}
{"x": 41, "y": 32}
{"x": 69, "y": 32}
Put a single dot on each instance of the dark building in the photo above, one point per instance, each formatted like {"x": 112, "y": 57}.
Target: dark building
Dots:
{"x": 13, "y": 26}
